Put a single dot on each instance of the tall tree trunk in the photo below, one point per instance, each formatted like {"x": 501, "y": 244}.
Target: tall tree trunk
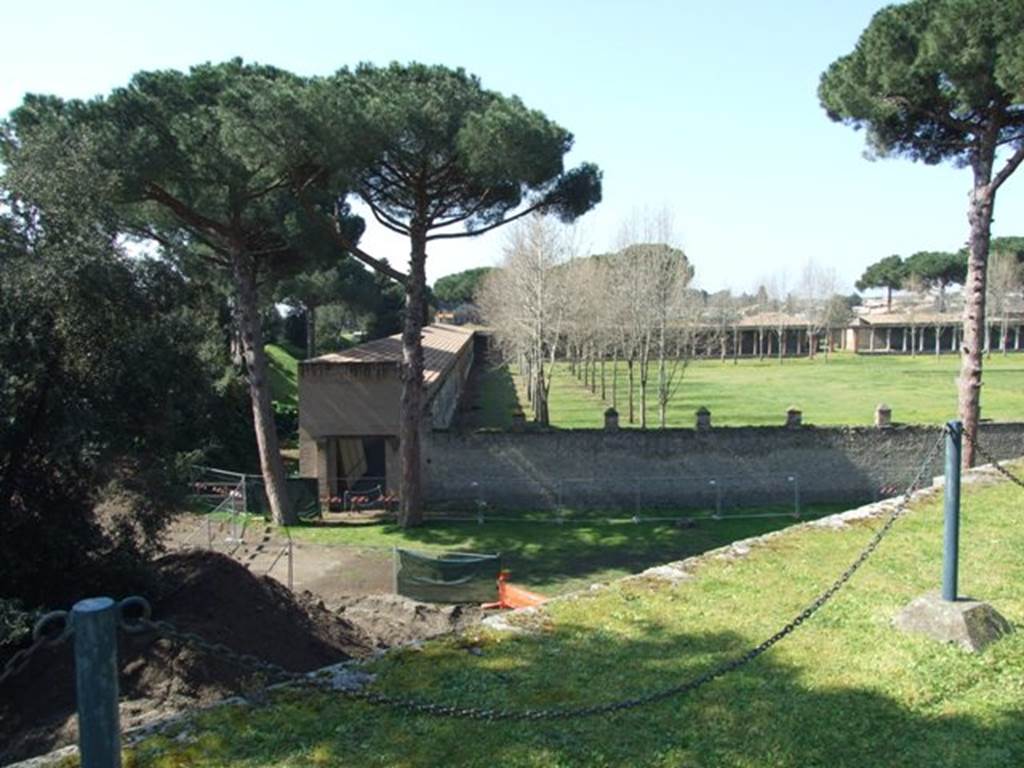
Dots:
{"x": 980, "y": 218}
{"x": 629, "y": 365}
{"x": 541, "y": 414}
{"x": 662, "y": 377}
{"x": 410, "y": 511}
{"x": 645, "y": 370}
{"x": 888, "y": 298}
{"x": 604, "y": 393}
{"x": 248, "y": 319}
{"x": 310, "y": 331}
{"x": 615, "y": 378}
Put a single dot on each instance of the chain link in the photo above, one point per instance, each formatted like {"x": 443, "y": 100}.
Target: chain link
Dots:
{"x": 51, "y": 630}
{"x": 992, "y": 460}
{"x": 134, "y": 618}
{"x": 421, "y": 707}
{"x": 143, "y": 624}
{"x": 417, "y": 706}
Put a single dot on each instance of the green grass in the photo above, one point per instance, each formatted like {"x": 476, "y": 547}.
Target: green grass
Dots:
{"x": 845, "y": 690}
{"x": 284, "y": 375}
{"x": 844, "y": 390}
{"x": 495, "y": 401}
{"x": 553, "y": 558}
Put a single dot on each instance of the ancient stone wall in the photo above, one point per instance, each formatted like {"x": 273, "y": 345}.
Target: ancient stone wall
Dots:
{"x": 630, "y": 469}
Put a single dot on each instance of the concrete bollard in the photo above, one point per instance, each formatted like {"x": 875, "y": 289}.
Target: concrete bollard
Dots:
{"x": 611, "y": 420}
{"x": 883, "y": 416}
{"x": 703, "y": 419}
{"x": 794, "y": 417}
{"x": 99, "y": 734}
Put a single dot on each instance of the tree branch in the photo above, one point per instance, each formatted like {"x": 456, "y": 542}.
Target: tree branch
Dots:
{"x": 386, "y": 220}
{"x": 474, "y": 232}
{"x": 1007, "y": 170}
{"x": 183, "y": 212}
{"x": 334, "y": 230}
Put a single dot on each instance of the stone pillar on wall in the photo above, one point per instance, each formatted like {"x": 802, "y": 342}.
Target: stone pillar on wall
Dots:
{"x": 611, "y": 420}
{"x": 883, "y": 416}
{"x": 703, "y": 419}
{"x": 794, "y": 417}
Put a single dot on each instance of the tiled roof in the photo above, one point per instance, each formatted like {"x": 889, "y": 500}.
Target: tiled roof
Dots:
{"x": 441, "y": 346}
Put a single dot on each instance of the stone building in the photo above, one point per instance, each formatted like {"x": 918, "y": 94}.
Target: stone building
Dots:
{"x": 924, "y": 332}
{"x": 349, "y": 404}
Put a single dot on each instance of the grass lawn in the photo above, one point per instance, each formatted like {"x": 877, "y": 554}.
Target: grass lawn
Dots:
{"x": 844, "y": 390}
{"x": 845, "y": 690}
{"x": 553, "y": 558}
{"x": 284, "y": 375}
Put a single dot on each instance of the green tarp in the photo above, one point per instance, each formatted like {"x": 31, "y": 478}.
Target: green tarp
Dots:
{"x": 456, "y": 577}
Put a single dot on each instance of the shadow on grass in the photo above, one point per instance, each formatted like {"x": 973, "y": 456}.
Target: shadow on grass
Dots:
{"x": 560, "y": 557}
{"x": 770, "y": 713}
{"x": 491, "y": 400}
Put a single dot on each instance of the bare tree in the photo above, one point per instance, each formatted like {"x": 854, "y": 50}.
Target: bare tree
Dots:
{"x": 1005, "y": 281}
{"x": 722, "y": 313}
{"x": 818, "y": 284}
{"x": 524, "y": 301}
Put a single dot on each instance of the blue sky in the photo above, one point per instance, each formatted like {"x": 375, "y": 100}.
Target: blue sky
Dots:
{"x": 708, "y": 109}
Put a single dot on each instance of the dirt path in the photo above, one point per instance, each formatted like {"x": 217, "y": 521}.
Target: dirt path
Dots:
{"x": 332, "y": 574}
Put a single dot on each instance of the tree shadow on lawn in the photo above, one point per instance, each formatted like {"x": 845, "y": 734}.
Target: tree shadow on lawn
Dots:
{"x": 770, "y": 713}
{"x": 546, "y": 554}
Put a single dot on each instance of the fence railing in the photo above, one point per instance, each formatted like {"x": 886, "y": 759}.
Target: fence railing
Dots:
{"x": 233, "y": 523}
{"x": 646, "y": 498}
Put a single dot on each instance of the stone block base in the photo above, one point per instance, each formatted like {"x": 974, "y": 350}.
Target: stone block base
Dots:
{"x": 970, "y": 624}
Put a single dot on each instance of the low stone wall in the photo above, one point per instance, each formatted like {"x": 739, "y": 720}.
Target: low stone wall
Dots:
{"x": 684, "y": 468}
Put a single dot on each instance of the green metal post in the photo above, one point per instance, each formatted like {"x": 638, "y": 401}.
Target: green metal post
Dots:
{"x": 951, "y": 532}
{"x": 99, "y": 735}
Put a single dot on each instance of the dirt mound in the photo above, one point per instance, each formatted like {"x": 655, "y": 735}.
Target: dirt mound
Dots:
{"x": 395, "y": 620}
{"x": 201, "y": 592}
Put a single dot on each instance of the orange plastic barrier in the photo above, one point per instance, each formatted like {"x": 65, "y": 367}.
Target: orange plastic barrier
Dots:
{"x": 511, "y": 596}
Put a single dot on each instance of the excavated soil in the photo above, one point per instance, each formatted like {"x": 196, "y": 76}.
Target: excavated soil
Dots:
{"x": 216, "y": 597}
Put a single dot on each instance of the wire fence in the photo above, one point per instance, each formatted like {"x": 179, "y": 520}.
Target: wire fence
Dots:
{"x": 643, "y": 499}
{"x": 133, "y": 615}
{"x": 230, "y": 524}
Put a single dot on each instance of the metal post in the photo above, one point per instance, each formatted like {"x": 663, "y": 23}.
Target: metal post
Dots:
{"x": 951, "y": 533}
{"x": 99, "y": 734}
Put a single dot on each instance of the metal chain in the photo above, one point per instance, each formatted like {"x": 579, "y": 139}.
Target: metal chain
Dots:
{"x": 143, "y": 623}
{"x": 417, "y": 706}
{"x": 992, "y": 460}
{"x": 51, "y": 630}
